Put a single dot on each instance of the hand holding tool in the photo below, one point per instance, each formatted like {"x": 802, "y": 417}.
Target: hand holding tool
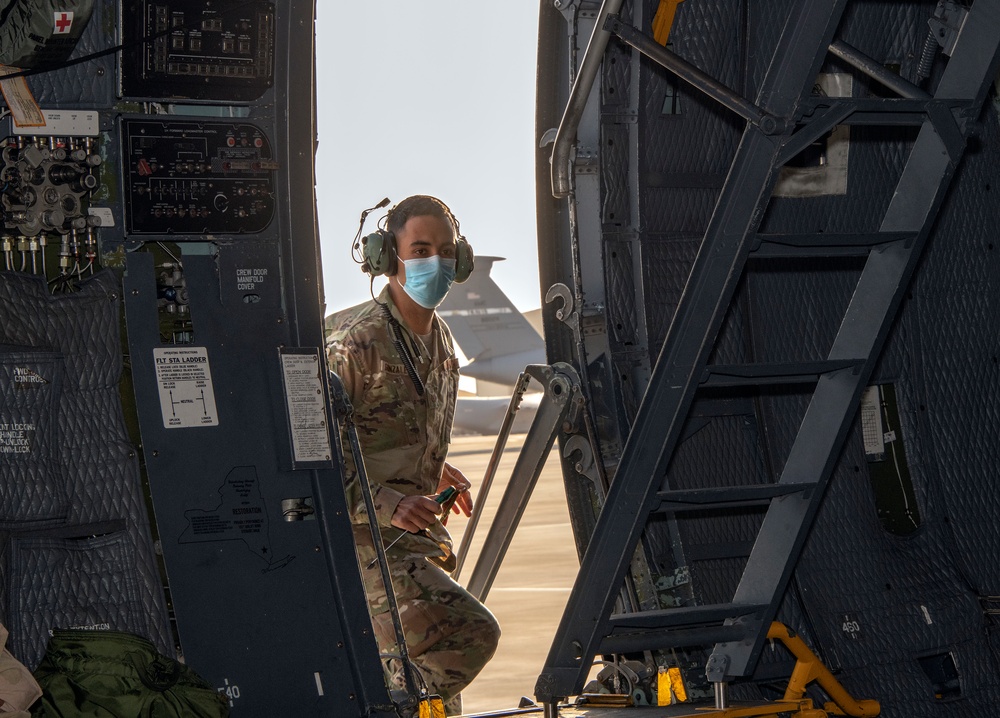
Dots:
{"x": 440, "y": 498}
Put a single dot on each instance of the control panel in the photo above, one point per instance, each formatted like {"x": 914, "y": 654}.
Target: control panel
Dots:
{"x": 197, "y": 177}
{"x": 222, "y": 50}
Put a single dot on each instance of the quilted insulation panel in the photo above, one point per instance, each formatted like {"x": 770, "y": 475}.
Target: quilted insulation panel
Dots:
{"x": 75, "y": 525}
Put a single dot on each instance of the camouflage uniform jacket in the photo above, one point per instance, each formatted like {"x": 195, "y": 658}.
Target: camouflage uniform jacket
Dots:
{"x": 404, "y": 437}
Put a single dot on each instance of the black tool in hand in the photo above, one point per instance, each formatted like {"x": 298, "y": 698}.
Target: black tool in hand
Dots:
{"x": 440, "y": 498}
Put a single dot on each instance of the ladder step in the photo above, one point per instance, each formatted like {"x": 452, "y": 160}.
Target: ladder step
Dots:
{"x": 687, "y": 626}
{"x": 718, "y": 550}
{"x": 683, "y": 617}
{"x": 894, "y": 111}
{"x": 732, "y": 375}
{"x": 652, "y": 640}
{"x": 798, "y": 246}
{"x": 721, "y": 497}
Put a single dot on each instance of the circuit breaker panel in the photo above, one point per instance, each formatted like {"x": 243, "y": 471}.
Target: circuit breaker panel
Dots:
{"x": 167, "y": 465}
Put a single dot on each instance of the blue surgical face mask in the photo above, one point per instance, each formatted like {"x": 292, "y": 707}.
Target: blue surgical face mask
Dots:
{"x": 428, "y": 279}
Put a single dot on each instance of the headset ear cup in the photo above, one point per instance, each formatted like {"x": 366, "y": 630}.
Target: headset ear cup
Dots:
{"x": 391, "y": 266}
{"x": 465, "y": 260}
{"x": 378, "y": 250}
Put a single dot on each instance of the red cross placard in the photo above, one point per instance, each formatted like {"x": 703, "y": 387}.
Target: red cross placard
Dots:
{"x": 62, "y": 22}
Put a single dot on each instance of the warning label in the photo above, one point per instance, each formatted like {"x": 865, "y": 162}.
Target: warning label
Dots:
{"x": 185, "y": 385}
{"x": 306, "y": 407}
{"x": 16, "y": 438}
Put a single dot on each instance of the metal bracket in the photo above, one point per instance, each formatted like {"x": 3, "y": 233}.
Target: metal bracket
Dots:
{"x": 578, "y": 450}
{"x": 567, "y": 313}
{"x": 586, "y": 161}
{"x": 947, "y": 24}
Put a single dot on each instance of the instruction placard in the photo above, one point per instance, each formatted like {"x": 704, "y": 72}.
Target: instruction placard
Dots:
{"x": 184, "y": 380}
{"x": 21, "y": 103}
{"x": 16, "y": 437}
{"x": 306, "y": 403}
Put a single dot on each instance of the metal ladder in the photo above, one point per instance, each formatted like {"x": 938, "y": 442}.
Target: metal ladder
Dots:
{"x": 561, "y": 400}
{"x": 783, "y": 121}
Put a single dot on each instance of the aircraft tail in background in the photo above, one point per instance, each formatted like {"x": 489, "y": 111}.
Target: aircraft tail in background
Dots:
{"x": 493, "y": 334}
{"x": 485, "y": 414}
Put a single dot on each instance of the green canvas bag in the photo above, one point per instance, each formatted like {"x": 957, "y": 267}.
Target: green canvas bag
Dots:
{"x": 108, "y": 674}
{"x": 41, "y": 33}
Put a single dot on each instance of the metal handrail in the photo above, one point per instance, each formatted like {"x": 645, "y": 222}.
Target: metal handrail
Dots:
{"x": 491, "y": 471}
{"x": 584, "y": 83}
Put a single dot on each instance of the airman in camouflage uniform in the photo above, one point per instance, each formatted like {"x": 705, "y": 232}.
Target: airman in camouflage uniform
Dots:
{"x": 404, "y": 437}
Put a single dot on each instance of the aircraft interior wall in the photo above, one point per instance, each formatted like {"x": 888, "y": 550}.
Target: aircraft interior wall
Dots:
{"x": 893, "y": 586}
{"x": 166, "y": 464}
{"x": 160, "y": 324}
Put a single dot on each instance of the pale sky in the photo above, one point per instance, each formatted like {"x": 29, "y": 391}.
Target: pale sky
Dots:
{"x": 428, "y": 97}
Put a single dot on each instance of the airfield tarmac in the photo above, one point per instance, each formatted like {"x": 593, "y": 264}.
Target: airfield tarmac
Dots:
{"x": 534, "y": 581}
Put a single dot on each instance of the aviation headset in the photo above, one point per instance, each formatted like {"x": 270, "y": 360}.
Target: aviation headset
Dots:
{"x": 379, "y": 255}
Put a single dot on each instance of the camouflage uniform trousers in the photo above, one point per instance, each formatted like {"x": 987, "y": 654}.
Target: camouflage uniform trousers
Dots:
{"x": 449, "y": 634}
